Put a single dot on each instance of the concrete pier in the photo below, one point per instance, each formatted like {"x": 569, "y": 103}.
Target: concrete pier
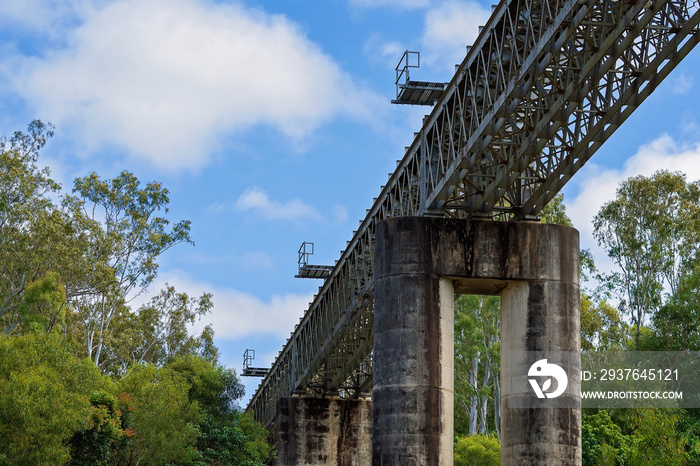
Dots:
{"x": 420, "y": 264}
{"x": 413, "y": 369}
{"x": 322, "y": 431}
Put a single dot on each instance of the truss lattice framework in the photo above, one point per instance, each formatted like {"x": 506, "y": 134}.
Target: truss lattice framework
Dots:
{"x": 545, "y": 84}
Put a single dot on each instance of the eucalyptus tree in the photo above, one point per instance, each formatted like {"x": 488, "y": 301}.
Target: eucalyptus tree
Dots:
{"x": 677, "y": 322}
{"x": 159, "y": 331}
{"x": 42, "y": 238}
{"x": 24, "y": 199}
{"x": 131, "y": 237}
{"x": 650, "y": 231}
{"x": 602, "y": 326}
{"x": 477, "y": 362}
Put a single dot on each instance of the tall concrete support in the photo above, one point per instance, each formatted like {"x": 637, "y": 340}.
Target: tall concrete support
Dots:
{"x": 420, "y": 264}
{"x": 322, "y": 431}
{"x": 540, "y": 316}
{"x": 413, "y": 364}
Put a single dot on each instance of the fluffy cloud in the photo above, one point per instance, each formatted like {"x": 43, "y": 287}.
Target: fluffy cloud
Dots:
{"x": 256, "y": 200}
{"x": 384, "y": 52}
{"x": 340, "y": 214}
{"x": 405, "y": 4}
{"x": 237, "y": 314}
{"x": 682, "y": 83}
{"x": 449, "y": 29}
{"x": 596, "y": 185}
{"x": 163, "y": 79}
{"x": 45, "y": 17}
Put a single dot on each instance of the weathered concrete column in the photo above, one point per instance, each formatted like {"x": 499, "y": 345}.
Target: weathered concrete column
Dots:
{"x": 541, "y": 316}
{"x": 321, "y": 432}
{"x": 420, "y": 263}
{"x": 413, "y": 354}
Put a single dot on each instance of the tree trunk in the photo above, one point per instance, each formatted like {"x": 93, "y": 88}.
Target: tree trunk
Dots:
{"x": 474, "y": 399}
{"x": 484, "y": 399}
{"x": 497, "y": 403}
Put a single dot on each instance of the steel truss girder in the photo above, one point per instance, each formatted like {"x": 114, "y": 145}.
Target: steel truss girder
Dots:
{"x": 545, "y": 84}
{"x": 504, "y": 157}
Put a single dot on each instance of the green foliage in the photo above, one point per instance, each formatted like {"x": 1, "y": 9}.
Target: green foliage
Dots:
{"x": 130, "y": 239}
{"x": 164, "y": 420}
{"x": 602, "y": 440}
{"x": 213, "y": 387}
{"x": 650, "y": 231}
{"x": 226, "y": 436}
{"x": 57, "y": 409}
{"x": 555, "y": 212}
{"x": 677, "y": 323}
{"x": 68, "y": 265}
{"x": 158, "y": 332}
{"x": 477, "y": 363}
{"x": 136, "y": 236}
{"x": 235, "y": 439}
{"x": 657, "y": 440}
{"x": 602, "y": 327}
{"x": 94, "y": 445}
{"x": 484, "y": 450}
{"x": 39, "y": 239}
{"x": 43, "y": 305}
{"x": 24, "y": 204}
{"x": 637, "y": 437}
{"x": 688, "y": 428}
{"x": 42, "y": 398}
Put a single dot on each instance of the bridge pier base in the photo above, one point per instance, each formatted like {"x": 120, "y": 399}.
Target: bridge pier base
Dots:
{"x": 322, "y": 431}
{"x": 539, "y": 316}
{"x": 413, "y": 370}
{"x": 420, "y": 264}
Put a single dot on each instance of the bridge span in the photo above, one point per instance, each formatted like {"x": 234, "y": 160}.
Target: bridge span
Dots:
{"x": 545, "y": 84}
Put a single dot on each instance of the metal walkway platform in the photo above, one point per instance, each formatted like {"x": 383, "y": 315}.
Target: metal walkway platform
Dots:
{"x": 307, "y": 270}
{"x": 248, "y": 370}
{"x": 414, "y": 92}
{"x": 419, "y": 93}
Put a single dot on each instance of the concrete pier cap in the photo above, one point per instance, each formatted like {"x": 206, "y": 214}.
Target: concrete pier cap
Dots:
{"x": 420, "y": 264}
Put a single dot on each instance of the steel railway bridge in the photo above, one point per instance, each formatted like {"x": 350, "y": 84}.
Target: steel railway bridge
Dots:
{"x": 546, "y": 83}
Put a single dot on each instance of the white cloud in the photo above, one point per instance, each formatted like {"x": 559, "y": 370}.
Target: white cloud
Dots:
{"x": 257, "y": 261}
{"x": 681, "y": 83}
{"x": 163, "y": 79}
{"x": 257, "y": 203}
{"x": 256, "y": 200}
{"x": 237, "y": 314}
{"x": 404, "y": 4}
{"x": 597, "y": 185}
{"x": 449, "y": 29}
{"x": 340, "y": 214}
{"x": 382, "y": 51}
{"x": 44, "y": 16}
{"x": 216, "y": 207}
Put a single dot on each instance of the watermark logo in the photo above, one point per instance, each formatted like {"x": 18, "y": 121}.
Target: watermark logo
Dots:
{"x": 542, "y": 368}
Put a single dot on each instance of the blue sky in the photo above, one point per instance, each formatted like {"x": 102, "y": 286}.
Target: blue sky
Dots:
{"x": 270, "y": 123}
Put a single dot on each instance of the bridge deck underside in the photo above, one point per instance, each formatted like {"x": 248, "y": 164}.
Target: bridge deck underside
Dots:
{"x": 544, "y": 86}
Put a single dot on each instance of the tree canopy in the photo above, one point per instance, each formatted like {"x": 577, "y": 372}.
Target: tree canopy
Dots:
{"x": 85, "y": 379}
